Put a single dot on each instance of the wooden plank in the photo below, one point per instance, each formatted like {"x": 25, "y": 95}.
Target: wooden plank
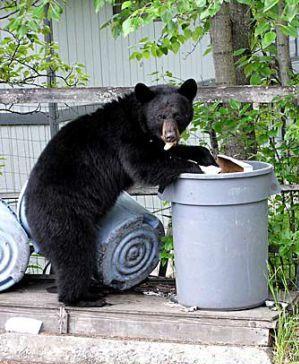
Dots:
{"x": 290, "y": 188}
{"x": 134, "y": 191}
{"x": 32, "y": 95}
{"x": 136, "y": 316}
{"x": 143, "y": 191}
{"x": 9, "y": 195}
{"x": 35, "y": 295}
{"x": 164, "y": 328}
{"x": 104, "y": 94}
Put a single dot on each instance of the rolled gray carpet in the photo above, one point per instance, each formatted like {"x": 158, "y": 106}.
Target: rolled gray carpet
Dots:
{"x": 128, "y": 242}
{"x": 14, "y": 248}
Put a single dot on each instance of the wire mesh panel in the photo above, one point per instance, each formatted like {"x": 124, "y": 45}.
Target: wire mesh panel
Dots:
{"x": 20, "y": 147}
{"x": 24, "y": 132}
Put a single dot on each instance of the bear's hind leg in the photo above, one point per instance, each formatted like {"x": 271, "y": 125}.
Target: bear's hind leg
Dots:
{"x": 73, "y": 287}
{"x": 74, "y": 259}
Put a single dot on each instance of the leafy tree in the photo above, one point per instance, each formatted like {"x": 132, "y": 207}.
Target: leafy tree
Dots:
{"x": 185, "y": 20}
{"x": 27, "y": 51}
{"x": 249, "y": 41}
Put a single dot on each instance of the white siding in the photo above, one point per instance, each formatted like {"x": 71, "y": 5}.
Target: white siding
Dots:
{"x": 107, "y": 59}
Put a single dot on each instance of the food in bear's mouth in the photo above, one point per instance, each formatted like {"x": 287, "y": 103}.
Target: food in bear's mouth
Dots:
{"x": 167, "y": 146}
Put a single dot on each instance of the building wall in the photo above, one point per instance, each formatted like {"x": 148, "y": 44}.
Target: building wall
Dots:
{"x": 107, "y": 59}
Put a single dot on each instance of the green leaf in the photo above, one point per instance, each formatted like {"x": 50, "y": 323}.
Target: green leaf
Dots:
{"x": 235, "y": 104}
{"x": 201, "y": 3}
{"x": 126, "y": 4}
{"x": 261, "y": 28}
{"x": 167, "y": 16}
{"x": 164, "y": 50}
{"x": 246, "y": 2}
{"x": 187, "y": 33}
{"x": 255, "y": 79}
{"x": 127, "y": 27}
{"x": 239, "y": 51}
{"x": 204, "y": 14}
{"x": 269, "y": 4}
{"x": 208, "y": 50}
{"x": 22, "y": 31}
{"x": 143, "y": 40}
{"x": 146, "y": 54}
{"x": 39, "y": 11}
{"x": 268, "y": 39}
{"x": 248, "y": 69}
{"x": 289, "y": 30}
{"x": 291, "y": 11}
{"x": 54, "y": 12}
{"x": 175, "y": 46}
{"x": 197, "y": 33}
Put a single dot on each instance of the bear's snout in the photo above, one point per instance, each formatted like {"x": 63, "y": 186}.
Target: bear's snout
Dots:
{"x": 170, "y": 132}
{"x": 170, "y": 136}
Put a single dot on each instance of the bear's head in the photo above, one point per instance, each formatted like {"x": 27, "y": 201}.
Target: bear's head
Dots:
{"x": 167, "y": 110}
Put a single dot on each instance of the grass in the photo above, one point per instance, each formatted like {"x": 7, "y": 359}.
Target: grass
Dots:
{"x": 286, "y": 338}
{"x": 286, "y": 334}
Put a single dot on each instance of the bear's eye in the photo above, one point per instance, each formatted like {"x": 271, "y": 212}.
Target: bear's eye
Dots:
{"x": 162, "y": 116}
{"x": 177, "y": 116}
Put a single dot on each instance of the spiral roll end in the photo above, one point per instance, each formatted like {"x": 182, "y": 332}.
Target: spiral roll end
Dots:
{"x": 14, "y": 248}
{"x": 130, "y": 255}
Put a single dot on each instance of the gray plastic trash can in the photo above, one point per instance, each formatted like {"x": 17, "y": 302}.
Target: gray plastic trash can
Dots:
{"x": 220, "y": 237}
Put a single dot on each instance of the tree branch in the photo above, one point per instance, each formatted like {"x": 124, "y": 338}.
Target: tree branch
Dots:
{"x": 9, "y": 14}
{"x": 15, "y": 11}
{"x": 38, "y": 108}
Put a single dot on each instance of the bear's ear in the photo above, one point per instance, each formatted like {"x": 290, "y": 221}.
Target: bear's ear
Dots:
{"x": 188, "y": 89}
{"x": 143, "y": 93}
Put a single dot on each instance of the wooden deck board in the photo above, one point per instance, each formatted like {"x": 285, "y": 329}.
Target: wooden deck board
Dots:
{"x": 138, "y": 316}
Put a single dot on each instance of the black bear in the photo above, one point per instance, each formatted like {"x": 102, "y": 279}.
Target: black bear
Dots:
{"x": 90, "y": 161}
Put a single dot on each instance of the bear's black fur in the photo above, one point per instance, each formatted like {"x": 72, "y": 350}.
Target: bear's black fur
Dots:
{"x": 90, "y": 161}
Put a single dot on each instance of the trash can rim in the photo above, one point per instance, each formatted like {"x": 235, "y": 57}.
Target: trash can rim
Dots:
{"x": 267, "y": 168}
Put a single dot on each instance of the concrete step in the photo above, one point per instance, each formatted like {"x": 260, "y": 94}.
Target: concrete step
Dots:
{"x": 62, "y": 349}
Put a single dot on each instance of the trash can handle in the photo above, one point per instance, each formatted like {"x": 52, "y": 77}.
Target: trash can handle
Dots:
{"x": 274, "y": 187}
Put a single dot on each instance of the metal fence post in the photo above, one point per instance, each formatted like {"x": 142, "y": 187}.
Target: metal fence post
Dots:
{"x": 53, "y": 108}
{"x": 53, "y": 119}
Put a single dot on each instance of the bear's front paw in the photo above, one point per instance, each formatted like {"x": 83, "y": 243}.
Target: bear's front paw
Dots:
{"x": 194, "y": 168}
{"x": 206, "y": 158}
